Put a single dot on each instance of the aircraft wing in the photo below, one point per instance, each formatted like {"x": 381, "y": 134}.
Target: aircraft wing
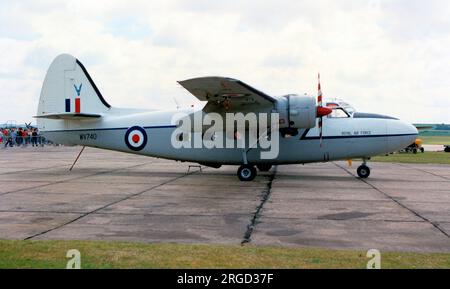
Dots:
{"x": 219, "y": 89}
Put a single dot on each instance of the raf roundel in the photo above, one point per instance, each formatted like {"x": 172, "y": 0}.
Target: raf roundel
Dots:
{"x": 136, "y": 138}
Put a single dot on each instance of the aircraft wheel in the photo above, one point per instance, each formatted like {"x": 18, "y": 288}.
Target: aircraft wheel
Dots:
{"x": 264, "y": 167}
{"x": 363, "y": 171}
{"x": 246, "y": 173}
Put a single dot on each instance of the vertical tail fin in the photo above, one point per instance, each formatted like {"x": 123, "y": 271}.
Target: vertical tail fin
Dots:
{"x": 68, "y": 90}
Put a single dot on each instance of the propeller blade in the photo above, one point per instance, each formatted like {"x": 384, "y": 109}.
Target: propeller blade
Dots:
{"x": 319, "y": 109}
{"x": 319, "y": 93}
{"x": 321, "y": 131}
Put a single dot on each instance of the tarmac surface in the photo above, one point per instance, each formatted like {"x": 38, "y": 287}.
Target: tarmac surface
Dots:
{"x": 124, "y": 197}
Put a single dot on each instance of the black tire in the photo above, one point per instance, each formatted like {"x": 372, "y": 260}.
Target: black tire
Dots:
{"x": 264, "y": 167}
{"x": 363, "y": 172}
{"x": 246, "y": 173}
{"x": 422, "y": 150}
{"x": 447, "y": 149}
{"x": 414, "y": 151}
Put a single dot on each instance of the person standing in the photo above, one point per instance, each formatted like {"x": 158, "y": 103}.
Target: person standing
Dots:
{"x": 19, "y": 137}
{"x": 34, "y": 136}
{"x": 13, "y": 135}
{"x": 29, "y": 135}
{"x": 8, "y": 138}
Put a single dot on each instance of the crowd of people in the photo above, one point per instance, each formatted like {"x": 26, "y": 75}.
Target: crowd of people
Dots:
{"x": 10, "y": 137}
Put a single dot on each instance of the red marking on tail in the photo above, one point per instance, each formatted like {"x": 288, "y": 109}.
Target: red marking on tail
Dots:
{"x": 77, "y": 105}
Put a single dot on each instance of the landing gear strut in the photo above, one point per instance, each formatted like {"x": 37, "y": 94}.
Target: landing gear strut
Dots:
{"x": 363, "y": 170}
{"x": 246, "y": 173}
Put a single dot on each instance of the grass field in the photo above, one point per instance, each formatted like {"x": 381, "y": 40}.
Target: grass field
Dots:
{"x": 96, "y": 254}
{"x": 419, "y": 158}
{"x": 435, "y": 140}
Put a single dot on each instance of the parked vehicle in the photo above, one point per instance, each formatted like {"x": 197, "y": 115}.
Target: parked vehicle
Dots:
{"x": 414, "y": 147}
{"x": 447, "y": 148}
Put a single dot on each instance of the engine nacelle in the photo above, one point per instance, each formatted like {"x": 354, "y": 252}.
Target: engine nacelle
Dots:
{"x": 297, "y": 111}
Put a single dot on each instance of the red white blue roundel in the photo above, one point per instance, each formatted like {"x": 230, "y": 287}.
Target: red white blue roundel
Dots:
{"x": 136, "y": 138}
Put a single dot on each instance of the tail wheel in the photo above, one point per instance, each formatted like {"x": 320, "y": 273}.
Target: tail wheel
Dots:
{"x": 264, "y": 167}
{"x": 363, "y": 172}
{"x": 246, "y": 173}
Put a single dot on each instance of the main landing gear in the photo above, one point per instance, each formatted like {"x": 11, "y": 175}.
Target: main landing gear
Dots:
{"x": 363, "y": 170}
{"x": 246, "y": 173}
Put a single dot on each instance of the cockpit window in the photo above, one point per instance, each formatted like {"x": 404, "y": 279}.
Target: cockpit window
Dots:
{"x": 340, "y": 108}
{"x": 338, "y": 112}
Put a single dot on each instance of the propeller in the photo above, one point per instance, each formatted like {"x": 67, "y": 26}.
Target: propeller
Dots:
{"x": 321, "y": 110}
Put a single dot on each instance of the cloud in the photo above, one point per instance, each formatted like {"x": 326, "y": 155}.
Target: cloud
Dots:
{"x": 380, "y": 55}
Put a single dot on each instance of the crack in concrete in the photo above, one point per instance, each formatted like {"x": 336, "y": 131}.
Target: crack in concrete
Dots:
{"x": 108, "y": 205}
{"x": 435, "y": 225}
{"x": 31, "y": 170}
{"x": 70, "y": 180}
{"x": 265, "y": 195}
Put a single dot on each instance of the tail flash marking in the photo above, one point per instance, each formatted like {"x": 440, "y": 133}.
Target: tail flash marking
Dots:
{"x": 67, "y": 104}
{"x": 77, "y": 105}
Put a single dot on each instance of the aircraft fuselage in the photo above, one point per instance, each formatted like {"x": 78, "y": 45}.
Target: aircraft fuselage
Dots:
{"x": 343, "y": 138}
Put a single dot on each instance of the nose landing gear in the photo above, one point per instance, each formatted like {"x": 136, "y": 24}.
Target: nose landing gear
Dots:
{"x": 363, "y": 170}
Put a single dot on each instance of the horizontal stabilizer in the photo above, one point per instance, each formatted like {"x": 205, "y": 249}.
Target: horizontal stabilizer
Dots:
{"x": 68, "y": 115}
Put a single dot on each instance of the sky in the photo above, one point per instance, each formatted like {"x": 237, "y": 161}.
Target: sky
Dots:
{"x": 383, "y": 56}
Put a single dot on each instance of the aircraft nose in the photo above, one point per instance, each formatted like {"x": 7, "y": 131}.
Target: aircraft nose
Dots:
{"x": 399, "y": 127}
{"x": 401, "y": 134}
{"x": 410, "y": 129}
{"x": 411, "y": 132}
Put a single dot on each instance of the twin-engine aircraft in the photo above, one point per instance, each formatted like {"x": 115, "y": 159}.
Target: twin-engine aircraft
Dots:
{"x": 295, "y": 129}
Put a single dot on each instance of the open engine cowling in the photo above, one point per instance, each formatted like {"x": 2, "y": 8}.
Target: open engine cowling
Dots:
{"x": 297, "y": 111}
